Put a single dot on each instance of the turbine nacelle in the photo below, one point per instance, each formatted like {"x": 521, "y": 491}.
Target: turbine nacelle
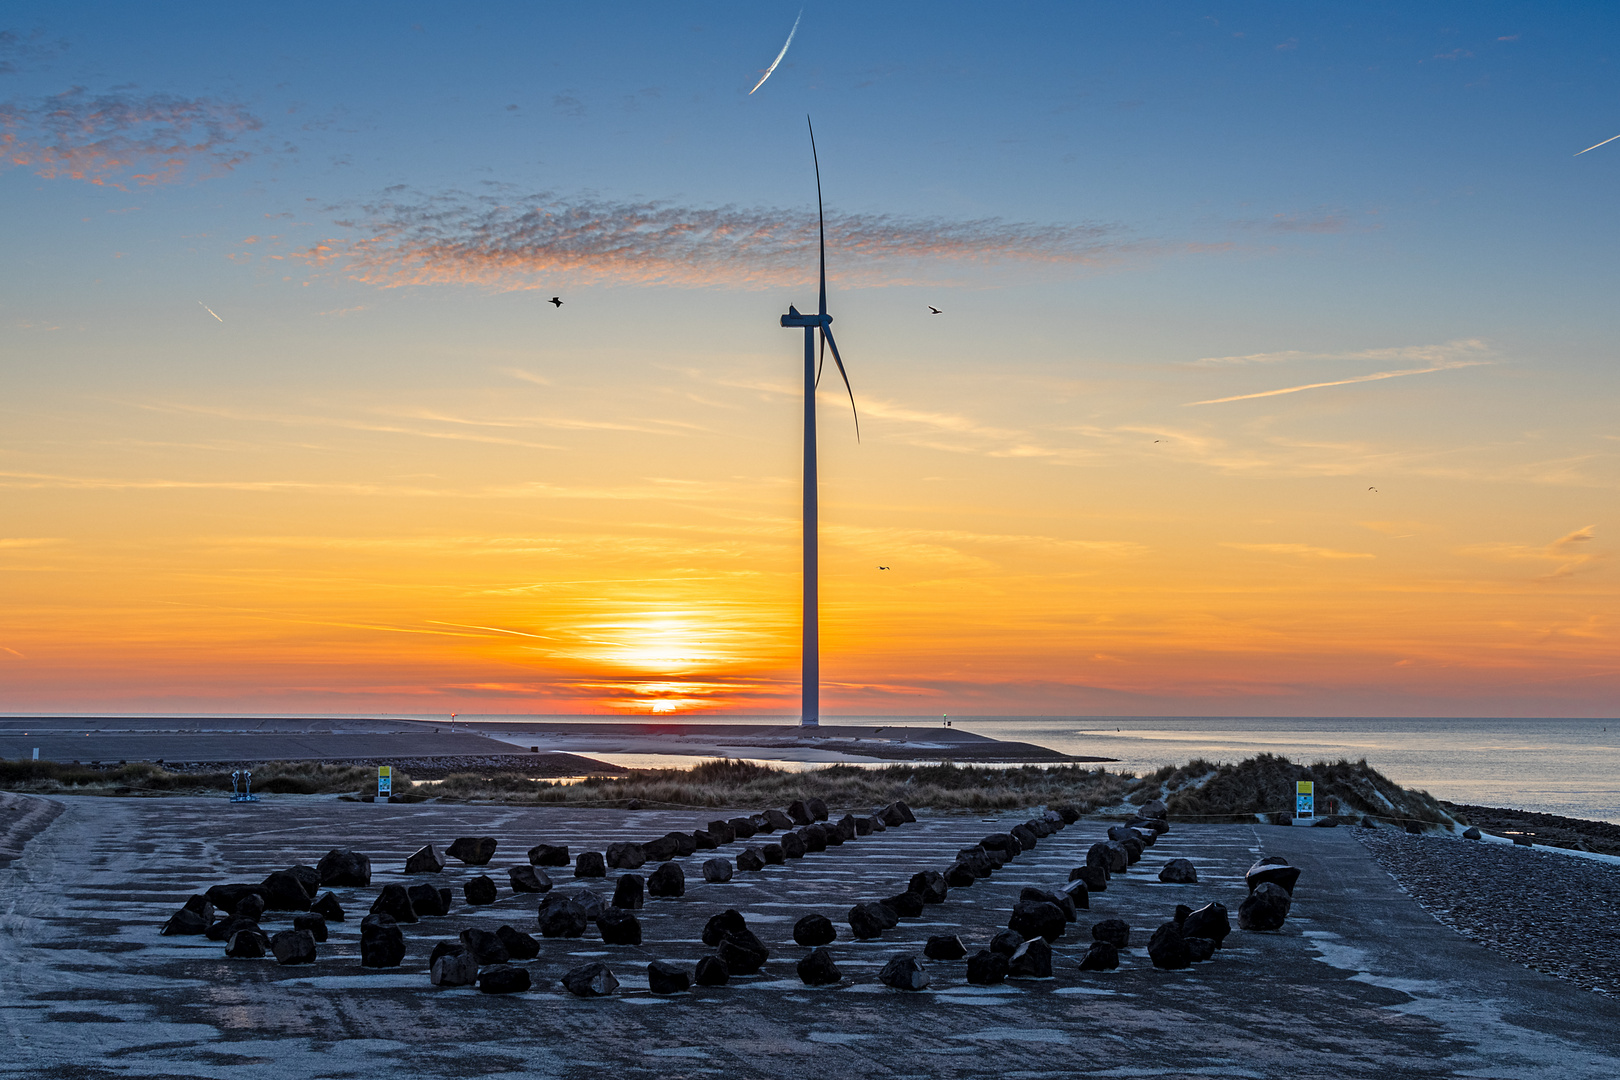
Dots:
{"x": 795, "y": 318}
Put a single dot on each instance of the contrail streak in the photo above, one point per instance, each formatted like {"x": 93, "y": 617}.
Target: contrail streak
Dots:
{"x": 781, "y": 54}
{"x": 1605, "y": 142}
{"x": 210, "y": 310}
{"x": 1342, "y": 382}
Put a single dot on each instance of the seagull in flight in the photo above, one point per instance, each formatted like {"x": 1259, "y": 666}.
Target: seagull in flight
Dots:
{"x": 555, "y": 300}
{"x": 883, "y": 568}
{"x": 932, "y": 310}
{"x": 1372, "y": 489}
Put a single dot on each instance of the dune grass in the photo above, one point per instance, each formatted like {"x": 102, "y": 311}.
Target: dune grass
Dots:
{"x": 1264, "y": 784}
{"x": 270, "y": 778}
{"x": 1198, "y": 791}
{"x": 740, "y": 784}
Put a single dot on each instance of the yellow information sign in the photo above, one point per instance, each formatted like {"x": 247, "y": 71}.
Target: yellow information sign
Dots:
{"x": 1305, "y": 798}
{"x": 385, "y": 780}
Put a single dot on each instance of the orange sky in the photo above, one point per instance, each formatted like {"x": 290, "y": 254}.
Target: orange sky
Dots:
{"x": 545, "y": 533}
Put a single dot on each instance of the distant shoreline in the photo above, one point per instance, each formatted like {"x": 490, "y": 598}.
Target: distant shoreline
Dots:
{"x": 242, "y": 740}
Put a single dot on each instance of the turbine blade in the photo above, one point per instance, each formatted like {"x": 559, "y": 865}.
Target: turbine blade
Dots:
{"x": 826, "y": 336}
{"x": 822, "y": 362}
{"x": 821, "y": 217}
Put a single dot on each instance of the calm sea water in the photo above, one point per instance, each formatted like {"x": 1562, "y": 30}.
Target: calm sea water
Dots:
{"x": 1557, "y": 766}
{"x": 1569, "y": 767}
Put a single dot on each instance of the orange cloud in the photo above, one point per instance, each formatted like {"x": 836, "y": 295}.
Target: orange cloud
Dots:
{"x": 108, "y": 138}
{"x": 1570, "y": 552}
{"x": 530, "y": 242}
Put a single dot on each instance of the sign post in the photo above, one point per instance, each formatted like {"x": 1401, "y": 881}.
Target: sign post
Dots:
{"x": 1305, "y": 799}
{"x": 385, "y": 781}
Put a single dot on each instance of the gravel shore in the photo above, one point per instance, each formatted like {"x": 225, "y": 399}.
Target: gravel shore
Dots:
{"x": 1545, "y": 830}
{"x": 1554, "y": 913}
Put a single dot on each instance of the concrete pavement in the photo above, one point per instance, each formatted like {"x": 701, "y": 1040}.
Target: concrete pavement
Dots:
{"x": 1360, "y": 983}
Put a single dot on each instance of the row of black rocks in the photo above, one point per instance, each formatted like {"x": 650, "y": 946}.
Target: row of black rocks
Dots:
{"x": 1039, "y": 918}
{"x": 297, "y": 888}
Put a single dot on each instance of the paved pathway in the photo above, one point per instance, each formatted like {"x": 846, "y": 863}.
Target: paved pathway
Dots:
{"x": 1361, "y": 982}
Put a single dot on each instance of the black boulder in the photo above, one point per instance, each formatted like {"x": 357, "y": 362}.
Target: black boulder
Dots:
{"x": 548, "y": 855}
{"x": 519, "y": 946}
{"x": 818, "y": 969}
{"x": 590, "y": 980}
{"x": 480, "y": 890}
{"x": 813, "y": 930}
{"x": 344, "y": 868}
{"x": 664, "y": 977}
{"x": 1114, "y": 931}
{"x": 485, "y": 947}
{"x": 930, "y": 885}
{"x": 503, "y": 979}
{"x": 711, "y": 971}
{"x": 1031, "y": 960}
{"x": 668, "y": 880}
{"x": 473, "y": 850}
{"x": 630, "y": 893}
{"x": 1102, "y": 956}
{"x": 619, "y": 927}
{"x": 986, "y": 968}
{"x": 381, "y": 942}
{"x": 1167, "y": 949}
{"x": 730, "y": 921}
{"x": 395, "y": 903}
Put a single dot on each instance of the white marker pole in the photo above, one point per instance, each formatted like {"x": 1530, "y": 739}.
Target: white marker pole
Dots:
{"x": 36, "y": 753}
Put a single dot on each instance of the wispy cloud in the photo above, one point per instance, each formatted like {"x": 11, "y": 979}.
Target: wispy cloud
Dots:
{"x": 1374, "y": 377}
{"x": 533, "y": 241}
{"x": 1324, "y": 221}
{"x": 1301, "y": 549}
{"x": 1571, "y": 552}
{"x": 650, "y": 488}
{"x": 525, "y": 376}
{"x": 19, "y": 48}
{"x": 107, "y": 139}
{"x": 1452, "y": 355}
{"x": 1462, "y": 348}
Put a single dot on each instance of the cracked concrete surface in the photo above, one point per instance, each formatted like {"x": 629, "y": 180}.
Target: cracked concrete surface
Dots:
{"x": 1360, "y": 983}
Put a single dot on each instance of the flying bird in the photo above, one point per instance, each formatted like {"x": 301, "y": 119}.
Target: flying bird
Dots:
{"x": 932, "y": 310}
{"x": 556, "y": 300}
{"x": 883, "y": 568}
{"x": 781, "y": 54}
{"x": 1372, "y": 489}
{"x": 1605, "y": 142}
{"x": 210, "y": 310}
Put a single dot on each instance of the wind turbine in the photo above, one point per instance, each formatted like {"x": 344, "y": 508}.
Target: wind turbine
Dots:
{"x": 810, "y": 687}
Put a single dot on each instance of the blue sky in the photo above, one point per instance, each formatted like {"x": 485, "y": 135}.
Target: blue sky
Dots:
{"x": 1123, "y": 209}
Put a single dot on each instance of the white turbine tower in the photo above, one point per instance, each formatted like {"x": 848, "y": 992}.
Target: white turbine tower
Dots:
{"x": 810, "y": 710}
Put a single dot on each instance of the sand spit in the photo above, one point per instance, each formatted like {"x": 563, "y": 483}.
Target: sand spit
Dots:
{"x": 382, "y": 739}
